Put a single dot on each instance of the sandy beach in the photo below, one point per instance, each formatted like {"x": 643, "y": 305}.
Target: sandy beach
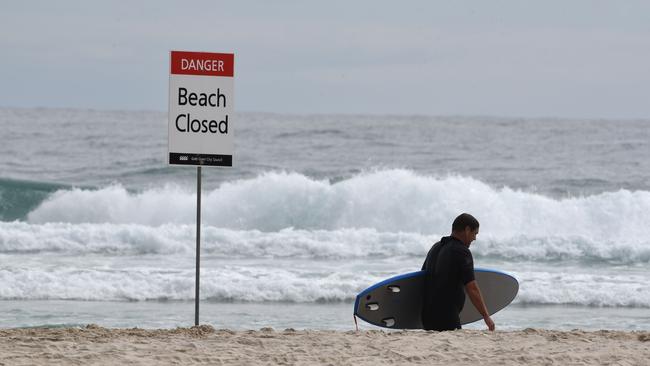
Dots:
{"x": 94, "y": 345}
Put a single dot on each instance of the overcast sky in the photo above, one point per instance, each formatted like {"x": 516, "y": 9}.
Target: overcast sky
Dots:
{"x": 504, "y": 58}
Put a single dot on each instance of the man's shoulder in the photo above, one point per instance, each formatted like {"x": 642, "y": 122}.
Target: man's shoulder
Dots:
{"x": 436, "y": 244}
{"x": 463, "y": 255}
{"x": 460, "y": 248}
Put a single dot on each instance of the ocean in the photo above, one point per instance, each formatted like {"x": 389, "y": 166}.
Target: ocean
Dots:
{"x": 95, "y": 227}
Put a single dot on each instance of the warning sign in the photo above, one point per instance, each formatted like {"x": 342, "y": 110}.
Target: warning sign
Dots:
{"x": 200, "y": 108}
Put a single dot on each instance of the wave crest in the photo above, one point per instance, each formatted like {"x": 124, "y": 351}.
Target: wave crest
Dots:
{"x": 388, "y": 201}
{"x": 179, "y": 239}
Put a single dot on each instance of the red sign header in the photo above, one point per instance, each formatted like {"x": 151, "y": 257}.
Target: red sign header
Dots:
{"x": 202, "y": 63}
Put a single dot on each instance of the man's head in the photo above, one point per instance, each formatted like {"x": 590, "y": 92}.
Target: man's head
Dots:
{"x": 465, "y": 228}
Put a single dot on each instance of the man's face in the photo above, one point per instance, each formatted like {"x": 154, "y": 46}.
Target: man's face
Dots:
{"x": 470, "y": 235}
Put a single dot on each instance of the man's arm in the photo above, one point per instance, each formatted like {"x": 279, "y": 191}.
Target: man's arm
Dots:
{"x": 477, "y": 299}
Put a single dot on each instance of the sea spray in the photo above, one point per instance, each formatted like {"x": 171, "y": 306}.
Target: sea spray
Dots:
{"x": 366, "y": 243}
{"x": 388, "y": 200}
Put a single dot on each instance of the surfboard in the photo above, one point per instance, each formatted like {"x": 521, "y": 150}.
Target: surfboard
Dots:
{"x": 397, "y": 302}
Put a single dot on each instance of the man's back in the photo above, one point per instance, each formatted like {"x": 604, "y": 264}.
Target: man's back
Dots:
{"x": 449, "y": 267}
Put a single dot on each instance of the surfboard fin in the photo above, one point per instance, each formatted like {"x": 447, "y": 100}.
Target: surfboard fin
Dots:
{"x": 394, "y": 289}
{"x": 388, "y": 322}
{"x": 372, "y": 306}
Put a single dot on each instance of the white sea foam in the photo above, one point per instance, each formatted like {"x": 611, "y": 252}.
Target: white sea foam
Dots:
{"x": 261, "y": 283}
{"x": 566, "y": 287}
{"x": 389, "y": 200}
{"x": 253, "y": 283}
{"x": 365, "y": 215}
{"x": 175, "y": 239}
{"x": 386, "y": 217}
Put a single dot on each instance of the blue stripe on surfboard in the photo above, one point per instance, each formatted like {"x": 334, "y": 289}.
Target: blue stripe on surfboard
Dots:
{"x": 410, "y": 275}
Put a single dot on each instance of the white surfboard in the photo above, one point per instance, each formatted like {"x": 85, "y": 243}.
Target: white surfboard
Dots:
{"x": 397, "y": 302}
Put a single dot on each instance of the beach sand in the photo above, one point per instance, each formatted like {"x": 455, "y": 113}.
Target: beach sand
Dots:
{"x": 94, "y": 345}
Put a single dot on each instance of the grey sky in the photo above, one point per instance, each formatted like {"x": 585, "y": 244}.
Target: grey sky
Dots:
{"x": 505, "y": 58}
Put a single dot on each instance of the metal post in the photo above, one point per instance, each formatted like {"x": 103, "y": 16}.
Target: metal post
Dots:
{"x": 198, "y": 244}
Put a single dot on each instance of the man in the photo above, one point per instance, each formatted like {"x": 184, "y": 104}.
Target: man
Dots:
{"x": 450, "y": 268}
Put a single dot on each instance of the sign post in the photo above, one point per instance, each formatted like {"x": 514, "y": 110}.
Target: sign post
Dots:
{"x": 200, "y": 122}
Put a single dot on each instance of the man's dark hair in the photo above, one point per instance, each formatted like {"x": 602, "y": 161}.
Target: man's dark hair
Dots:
{"x": 464, "y": 220}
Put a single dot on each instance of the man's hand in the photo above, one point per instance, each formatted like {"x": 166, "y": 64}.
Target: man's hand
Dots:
{"x": 489, "y": 323}
{"x": 477, "y": 299}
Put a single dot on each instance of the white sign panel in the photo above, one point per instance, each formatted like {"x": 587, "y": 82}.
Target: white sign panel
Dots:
{"x": 200, "y": 108}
